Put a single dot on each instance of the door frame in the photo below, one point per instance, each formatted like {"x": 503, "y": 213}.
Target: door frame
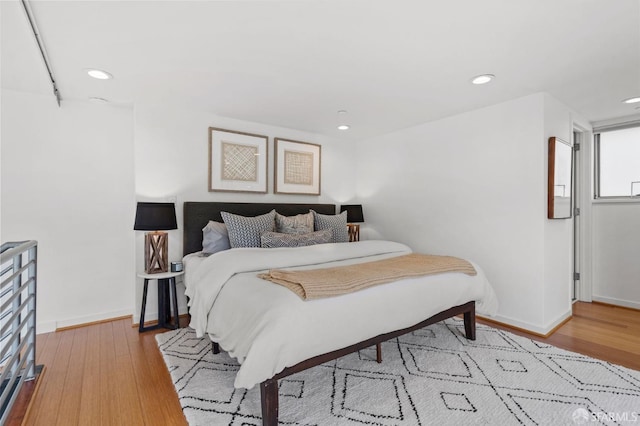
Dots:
{"x": 577, "y": 144}
{"x": 582, "y": 251}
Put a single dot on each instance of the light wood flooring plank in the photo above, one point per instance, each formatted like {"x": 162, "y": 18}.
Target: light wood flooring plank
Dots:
{"x": 69, "y": 410}
{"x": 110, "y": 410}
{"x": 128, "y": 395}
{"x": 91, "y": 380}
{"x": 158, "y": 396}
{"x": 53, "y": 386}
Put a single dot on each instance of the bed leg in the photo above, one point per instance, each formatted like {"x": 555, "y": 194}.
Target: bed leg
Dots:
{"x": 269, "y": 400}
{"x": 470, "y": 323}
{"x": 378, "y": 353}
{"x": 215, "y": 347}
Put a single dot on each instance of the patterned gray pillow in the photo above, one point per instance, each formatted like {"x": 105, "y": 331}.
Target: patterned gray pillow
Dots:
{"x": 245, "y": 231}
{"x": 277, "y": 239}
{"x": 299, "y": 224}
{"x": 336, "y": 222}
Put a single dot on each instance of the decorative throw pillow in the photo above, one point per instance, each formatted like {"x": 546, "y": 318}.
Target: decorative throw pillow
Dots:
{"x": 299, "y": 224}
{"x": 277, "y": 239}
{"x": 215, "y": 237}
{"x": 245, "y": 231}
{"x": 337, "y": 223}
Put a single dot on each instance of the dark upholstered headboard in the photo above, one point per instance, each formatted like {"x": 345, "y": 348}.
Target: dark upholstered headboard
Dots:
{"x": 198, "y": 214}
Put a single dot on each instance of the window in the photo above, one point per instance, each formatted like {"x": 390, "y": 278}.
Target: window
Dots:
{"x": 617, "y": 163}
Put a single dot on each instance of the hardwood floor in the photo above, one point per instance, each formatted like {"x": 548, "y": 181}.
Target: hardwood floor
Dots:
{"x": 105, "y": 374}
{"x": 110, "y": 374}
{"x": 601, "y": 331}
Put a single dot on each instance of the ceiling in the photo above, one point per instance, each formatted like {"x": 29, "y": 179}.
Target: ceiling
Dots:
{"x": 390, "y": 64}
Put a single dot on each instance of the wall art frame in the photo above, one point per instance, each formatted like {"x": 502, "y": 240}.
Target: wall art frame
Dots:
{"x": 237, "y": 161}
{"x": 297, "y": 167}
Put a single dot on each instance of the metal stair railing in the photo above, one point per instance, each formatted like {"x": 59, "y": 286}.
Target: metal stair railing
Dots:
{"x": 18, "y": 267}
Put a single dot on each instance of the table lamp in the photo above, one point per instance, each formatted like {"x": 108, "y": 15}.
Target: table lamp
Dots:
{"x": 354, "y": 216}
{"x": 156, "y": 217}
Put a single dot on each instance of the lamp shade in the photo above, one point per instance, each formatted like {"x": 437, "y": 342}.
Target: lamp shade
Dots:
{"x": 354, "y": 212}
{"x": 155, "y": 217}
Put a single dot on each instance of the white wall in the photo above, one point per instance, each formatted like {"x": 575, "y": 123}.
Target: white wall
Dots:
{"x": 616, "y": 253}
{"x": 67, "y": 181}
{"x": 471, "y": 186}
{"x": 474, "y": 185}
{"x": 171, "y": 149}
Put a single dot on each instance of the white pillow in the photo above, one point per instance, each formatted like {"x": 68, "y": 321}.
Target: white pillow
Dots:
{"x": 215, "y": 237}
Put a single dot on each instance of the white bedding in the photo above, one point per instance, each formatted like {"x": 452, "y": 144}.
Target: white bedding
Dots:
{"x": 267, "y": 327}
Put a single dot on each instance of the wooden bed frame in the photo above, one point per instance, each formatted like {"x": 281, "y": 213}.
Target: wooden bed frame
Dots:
{"x": 197, "y": 215}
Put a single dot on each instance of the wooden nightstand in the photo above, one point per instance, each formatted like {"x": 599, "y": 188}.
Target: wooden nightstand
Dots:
{"x": 166, "y": 286}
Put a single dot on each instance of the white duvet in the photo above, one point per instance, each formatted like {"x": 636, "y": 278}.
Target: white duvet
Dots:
{"x": 268, "y": 328}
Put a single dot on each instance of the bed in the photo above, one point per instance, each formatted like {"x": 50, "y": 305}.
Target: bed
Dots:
{"x": 273, "y": 333}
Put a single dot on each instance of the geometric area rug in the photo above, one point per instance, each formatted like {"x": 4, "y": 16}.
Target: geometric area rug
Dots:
{"x": 433, "y": 376}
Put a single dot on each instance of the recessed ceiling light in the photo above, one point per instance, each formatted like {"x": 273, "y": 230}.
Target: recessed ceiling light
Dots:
{"x": 99, "y": 74}
{"x": 342, "y": 120}
{"x": 483, "y": 79}
{"x": 632, "y": 100}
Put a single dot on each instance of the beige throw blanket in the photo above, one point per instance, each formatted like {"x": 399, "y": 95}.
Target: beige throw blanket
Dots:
{"x": 318, "y": 283}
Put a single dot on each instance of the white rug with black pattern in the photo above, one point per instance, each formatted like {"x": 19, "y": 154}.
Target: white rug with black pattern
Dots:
{"x": 434, "y": 376}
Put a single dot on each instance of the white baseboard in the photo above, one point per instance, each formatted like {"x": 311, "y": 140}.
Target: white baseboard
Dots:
{"x": 536, "y": 329}
{"x": 45, "y": 327}
{"x": 559, "y": 320}
{"x": 618, "y": 302}
{"x": 50, "y": 326}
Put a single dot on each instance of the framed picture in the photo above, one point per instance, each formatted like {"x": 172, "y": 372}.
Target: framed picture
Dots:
{"x": 237, "y": 161}
{"x": 297, "y": 167}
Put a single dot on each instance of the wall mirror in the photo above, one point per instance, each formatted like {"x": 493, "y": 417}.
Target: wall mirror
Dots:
{"x": 560, "y": 174}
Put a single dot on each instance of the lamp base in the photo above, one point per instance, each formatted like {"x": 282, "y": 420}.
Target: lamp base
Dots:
{"x": 156, "y": 253}
{"x": 354, "y": 232}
